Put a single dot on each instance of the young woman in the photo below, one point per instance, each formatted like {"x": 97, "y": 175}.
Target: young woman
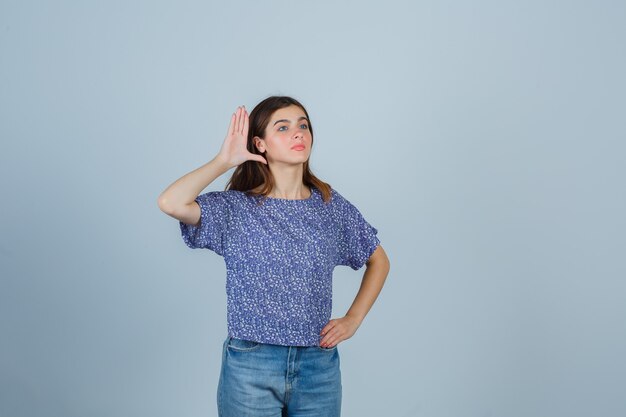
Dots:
{"x": 281, "y": 231}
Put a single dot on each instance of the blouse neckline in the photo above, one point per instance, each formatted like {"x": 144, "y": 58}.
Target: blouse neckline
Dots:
{"x": 294, "y": 200}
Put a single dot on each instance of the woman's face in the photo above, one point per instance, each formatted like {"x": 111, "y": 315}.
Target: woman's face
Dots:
{"x": 287, "y": 137}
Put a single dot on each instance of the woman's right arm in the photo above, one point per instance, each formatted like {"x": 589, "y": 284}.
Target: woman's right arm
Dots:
{"x": 178, "y": 199}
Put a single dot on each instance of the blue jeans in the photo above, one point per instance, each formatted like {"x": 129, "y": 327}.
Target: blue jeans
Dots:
{"x": 265, "y": 380}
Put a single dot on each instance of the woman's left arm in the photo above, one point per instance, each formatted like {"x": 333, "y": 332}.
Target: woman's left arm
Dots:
{"x": 337, "y": 330}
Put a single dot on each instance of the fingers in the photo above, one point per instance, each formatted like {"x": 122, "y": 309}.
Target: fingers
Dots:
{"x": 329, "y": 326}
{"x": 241, "y": 118}
{"x": 260, "y": 159}
{"x": 331, "y": 339}
{"x": 245, "y": 122}
{"x": 239, "y": 122}
{"x": 328, "y": 334}
{"x": 336, "y": 331}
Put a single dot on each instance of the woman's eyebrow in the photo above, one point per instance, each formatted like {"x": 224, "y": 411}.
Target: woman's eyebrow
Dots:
{"x": 285, "y": 120}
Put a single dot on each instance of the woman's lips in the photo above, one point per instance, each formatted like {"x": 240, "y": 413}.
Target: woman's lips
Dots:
{"x": 298, "y": 148}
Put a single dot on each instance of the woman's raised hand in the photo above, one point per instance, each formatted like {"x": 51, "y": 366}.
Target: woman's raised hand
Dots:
{"x": 234, "y": 150}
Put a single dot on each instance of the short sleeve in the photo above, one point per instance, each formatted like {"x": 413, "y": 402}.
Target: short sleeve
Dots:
{"x": 210, "y": 233}
{"x": 357, "y": 239}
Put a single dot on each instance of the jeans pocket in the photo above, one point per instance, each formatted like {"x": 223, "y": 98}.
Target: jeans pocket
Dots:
{"x": 326, "y": 349}
{"x": 242, "y": 345}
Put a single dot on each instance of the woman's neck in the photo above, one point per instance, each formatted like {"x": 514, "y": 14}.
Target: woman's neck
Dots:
{"x": 288, "y": 183}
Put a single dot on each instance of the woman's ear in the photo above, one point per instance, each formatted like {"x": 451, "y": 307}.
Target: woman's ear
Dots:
{"x": 258, "y": 142}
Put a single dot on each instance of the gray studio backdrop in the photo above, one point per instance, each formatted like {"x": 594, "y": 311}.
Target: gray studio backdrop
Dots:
{"x": 483, "y": 139}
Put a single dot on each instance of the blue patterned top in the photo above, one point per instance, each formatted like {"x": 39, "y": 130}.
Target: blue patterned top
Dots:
{"x": 280, "y": 257}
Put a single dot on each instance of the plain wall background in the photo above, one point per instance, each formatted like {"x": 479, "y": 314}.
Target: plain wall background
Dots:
{"x": 484, "y": 139}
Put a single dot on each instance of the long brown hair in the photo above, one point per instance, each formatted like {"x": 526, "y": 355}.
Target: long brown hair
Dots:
{"x": 251, "y": 174}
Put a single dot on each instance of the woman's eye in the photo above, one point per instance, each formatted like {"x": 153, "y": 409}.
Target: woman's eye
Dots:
{"x": 303, "y": 125}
